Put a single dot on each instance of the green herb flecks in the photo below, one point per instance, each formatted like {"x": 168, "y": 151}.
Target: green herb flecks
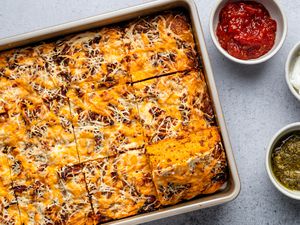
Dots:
{"x": 286, "y": 161}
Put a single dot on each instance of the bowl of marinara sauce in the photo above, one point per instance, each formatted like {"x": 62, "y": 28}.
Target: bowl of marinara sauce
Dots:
{"x": 248, "y": 32}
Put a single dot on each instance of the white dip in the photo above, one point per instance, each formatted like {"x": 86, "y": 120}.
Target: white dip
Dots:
{"x": 295, "y": 78}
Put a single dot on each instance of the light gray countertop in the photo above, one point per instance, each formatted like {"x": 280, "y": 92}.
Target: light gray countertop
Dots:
{"x": 255, "y": 100}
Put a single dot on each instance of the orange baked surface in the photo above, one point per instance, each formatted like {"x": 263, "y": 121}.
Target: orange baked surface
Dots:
{"x": 106, "y": 124}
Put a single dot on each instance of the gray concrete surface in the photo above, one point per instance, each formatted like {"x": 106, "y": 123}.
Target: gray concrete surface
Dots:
{"x": 255, "y": 99}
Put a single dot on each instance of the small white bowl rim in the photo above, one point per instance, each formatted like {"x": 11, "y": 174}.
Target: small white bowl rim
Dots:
{"x": 287, "y": 70}
{"x": 251, "y": 61}
{"x": 280, "y": 187}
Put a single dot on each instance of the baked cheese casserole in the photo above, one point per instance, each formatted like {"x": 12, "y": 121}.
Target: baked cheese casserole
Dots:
{"x": 106, "y": 124}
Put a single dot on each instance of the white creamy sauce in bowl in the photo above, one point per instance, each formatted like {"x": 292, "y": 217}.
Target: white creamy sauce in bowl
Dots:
{"x": 295, "y": 75}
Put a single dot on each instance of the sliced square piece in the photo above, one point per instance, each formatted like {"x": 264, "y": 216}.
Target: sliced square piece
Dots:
{"x": 98, "y": 55}
{"x": 33, "y": 83}
{"x": 116, "y": 104}
{"x": 186, "y": 167}
{"x": 60, "y": 198}
{"x": 172, "y": 104}
{"x": 43, "y": 185}
{"x": 48, "y": 135}
{"x": 49, "y": 75}
{"x": 36, "y": 185}
{"x": 25, "y": 114}
{"x": 120, "y": 186}
{"x": 159, "y": 45}
{"x": 50, "y": 124}
{"x": 105, "y": 121}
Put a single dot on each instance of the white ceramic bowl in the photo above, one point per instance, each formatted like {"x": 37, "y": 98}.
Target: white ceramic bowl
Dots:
{"x": 276, "y": 13}
{"x": 281, "y": 133}
{"x": 289, "y": 66}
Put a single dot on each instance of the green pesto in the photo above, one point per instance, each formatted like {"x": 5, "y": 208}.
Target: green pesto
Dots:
{"x": 286, "y": 161}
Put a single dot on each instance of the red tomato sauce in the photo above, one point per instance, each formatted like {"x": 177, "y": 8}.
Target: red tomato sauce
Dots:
{"x": 246, "y": 30}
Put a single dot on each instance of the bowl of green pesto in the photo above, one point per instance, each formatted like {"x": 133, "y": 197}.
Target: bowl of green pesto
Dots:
{"x": 283, "y": 160}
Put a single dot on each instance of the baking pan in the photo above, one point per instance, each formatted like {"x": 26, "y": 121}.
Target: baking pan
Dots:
{"x": 232, "y": 187}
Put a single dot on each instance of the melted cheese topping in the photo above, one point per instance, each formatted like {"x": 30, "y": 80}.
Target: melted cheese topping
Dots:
{"x": 97, "y": 56}
{"x": 120, "y": 186}
{"x": 109, "y": 141}
{"x": 9, "y": 213}
{"x": 105, "y": 120}
{"x": 53, "y": 197}
{"x": 184, "y": 168}
{"x": 168, "y": 105}
{"x": 159, "y": 45}
{"x": 86, "y": 138}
